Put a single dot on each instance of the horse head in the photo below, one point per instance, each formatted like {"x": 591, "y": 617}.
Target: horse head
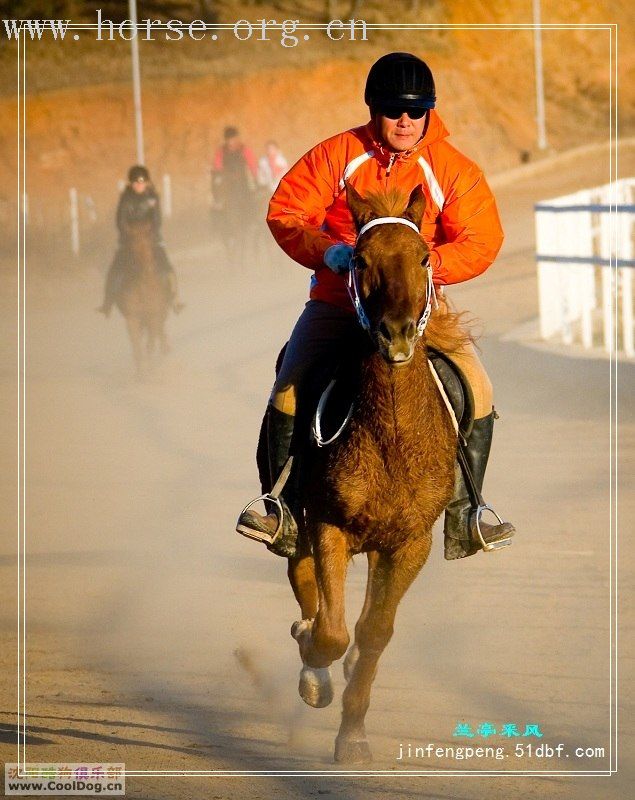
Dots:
{"x": 390, "y": 269}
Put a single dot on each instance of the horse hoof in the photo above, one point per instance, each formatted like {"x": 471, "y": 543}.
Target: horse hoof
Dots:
{"x": 316, "y": 687}
{"x": 352, "y": 751}
{"x": 350, "y": 661}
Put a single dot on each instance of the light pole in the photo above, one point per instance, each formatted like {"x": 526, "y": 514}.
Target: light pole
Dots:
{"x": 136, "y": 81}
{"x": 540, "y": 89}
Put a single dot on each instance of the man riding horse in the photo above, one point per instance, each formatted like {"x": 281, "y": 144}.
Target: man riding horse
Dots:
{"x": 138, "y": 202}
{"x": 403, "y": 146}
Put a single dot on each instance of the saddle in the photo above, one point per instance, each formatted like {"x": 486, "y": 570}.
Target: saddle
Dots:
{"x": 342, "y": 392}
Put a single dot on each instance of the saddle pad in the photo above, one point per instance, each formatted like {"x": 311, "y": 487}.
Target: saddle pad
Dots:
{"x": 457, "y": 389}
{"x": 444, "y": 396}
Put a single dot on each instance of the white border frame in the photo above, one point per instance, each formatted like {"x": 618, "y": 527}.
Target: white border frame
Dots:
{"x": 613, "y": 450}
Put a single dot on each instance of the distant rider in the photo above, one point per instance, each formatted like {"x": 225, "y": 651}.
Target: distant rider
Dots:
{"x": 234, "y": 181}
{"x": 271, "y": 166}
{"x": 139, "y": 201}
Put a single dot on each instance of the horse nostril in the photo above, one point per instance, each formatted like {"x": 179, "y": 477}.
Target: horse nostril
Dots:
{"x": 395, "y": 330}
{"x": 384, "y": 331}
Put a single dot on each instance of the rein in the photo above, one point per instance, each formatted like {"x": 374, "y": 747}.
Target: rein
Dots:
{"x": 352, "y": 284}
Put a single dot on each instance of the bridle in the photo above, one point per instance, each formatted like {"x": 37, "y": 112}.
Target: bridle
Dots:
{"x": 362, "y": 317}
{"x": 352, "y": 283}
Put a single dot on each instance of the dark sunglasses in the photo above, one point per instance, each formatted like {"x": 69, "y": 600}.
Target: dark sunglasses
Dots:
{"x": 395, "y": 112}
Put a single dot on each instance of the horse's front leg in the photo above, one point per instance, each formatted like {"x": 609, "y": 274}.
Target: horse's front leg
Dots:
{"x": 324, "y": 639}
{"x": 301, "y": 574}
{"x": 150, "y": 341}
{"x": 163, "y": 339}
{"x": 353, "y": 651}
{"x": 134, "y": 331}
{"x": 389, "y": 577}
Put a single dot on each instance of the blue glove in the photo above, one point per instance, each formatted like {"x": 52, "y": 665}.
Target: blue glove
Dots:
{"x": 338, "y": 258}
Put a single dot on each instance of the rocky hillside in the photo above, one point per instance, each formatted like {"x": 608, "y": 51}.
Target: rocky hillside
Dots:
{"x": 79, "y": 109}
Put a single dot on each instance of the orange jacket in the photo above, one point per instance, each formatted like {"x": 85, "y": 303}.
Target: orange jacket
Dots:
{"x": 308, "y": 211}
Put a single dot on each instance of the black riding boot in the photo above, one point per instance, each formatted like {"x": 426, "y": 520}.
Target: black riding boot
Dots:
{"x": 111, "y": 290}
{"x": 279, "y": 435}
{"x": 461, "y": 535}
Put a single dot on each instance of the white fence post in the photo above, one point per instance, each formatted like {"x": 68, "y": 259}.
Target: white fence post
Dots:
{"x": 74, "y": 222}
{"x": 607, "y": 252}
{"x": 627, "y": 312}
{"x": 547, "y": 277}
{"x": 625, "y": 250}
{"x": 581, "y": 275}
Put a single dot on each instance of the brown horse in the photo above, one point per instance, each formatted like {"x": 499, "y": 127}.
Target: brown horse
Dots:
{"x": 143, "y": 299}
{"x": 380, "y": 487}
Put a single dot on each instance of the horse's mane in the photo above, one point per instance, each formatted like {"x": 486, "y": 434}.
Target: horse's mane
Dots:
{"x": 448, "y": 330}
{"x": 388, "y": 203}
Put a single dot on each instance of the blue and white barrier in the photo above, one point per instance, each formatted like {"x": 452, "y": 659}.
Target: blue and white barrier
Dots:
{"x": 584, "y": 251}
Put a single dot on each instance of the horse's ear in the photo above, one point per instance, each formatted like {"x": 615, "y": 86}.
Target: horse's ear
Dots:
{"x": 361, "y": 211}
{"x": 416, "y": 206}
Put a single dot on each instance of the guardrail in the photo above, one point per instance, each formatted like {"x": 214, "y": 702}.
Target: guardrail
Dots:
{"x": 584, "y": 251}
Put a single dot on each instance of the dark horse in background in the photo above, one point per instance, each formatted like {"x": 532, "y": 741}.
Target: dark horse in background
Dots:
{"x": 144, "y": 295}
{"x": 379, "y": 488}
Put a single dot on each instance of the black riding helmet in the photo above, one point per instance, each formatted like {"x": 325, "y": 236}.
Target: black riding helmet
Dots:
{"x": 399, "y": 79}
{"x": 136, "y": 172}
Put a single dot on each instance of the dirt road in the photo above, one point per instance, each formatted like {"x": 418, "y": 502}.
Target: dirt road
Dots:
{"x": 139, "y": 593}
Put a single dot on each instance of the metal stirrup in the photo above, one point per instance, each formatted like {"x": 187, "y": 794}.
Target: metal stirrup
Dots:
{"x": 273, "y": 497}
{"x": 488, "y": 546}
{"x": 480, "y": 506}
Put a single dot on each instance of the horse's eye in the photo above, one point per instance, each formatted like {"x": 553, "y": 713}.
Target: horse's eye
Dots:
{"x": 360, "y": 263}
{"x": 426, "y": 260}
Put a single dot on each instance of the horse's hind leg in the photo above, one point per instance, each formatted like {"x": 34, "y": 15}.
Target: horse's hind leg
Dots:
{"x": 389, "y": 578}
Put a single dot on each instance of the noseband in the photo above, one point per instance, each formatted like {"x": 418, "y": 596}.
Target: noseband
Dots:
{"x": 352, "y": 283}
